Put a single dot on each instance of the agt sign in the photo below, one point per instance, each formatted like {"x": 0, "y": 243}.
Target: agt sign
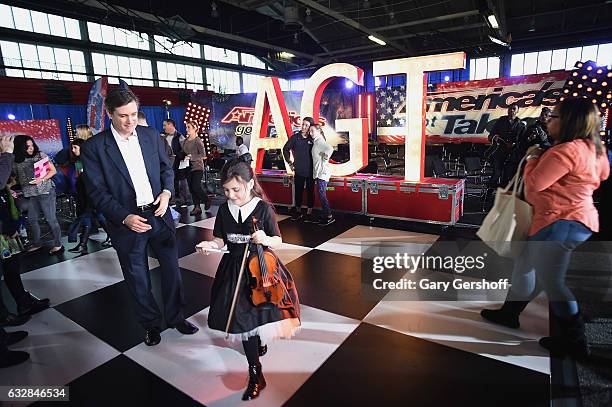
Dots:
{"x": 270, "y": 101}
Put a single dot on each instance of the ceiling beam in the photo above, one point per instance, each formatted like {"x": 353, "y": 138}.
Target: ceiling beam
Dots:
{"x": 201, "y": 30}
{"x": 429, "y": 20}
{"x": 335, "y": 53}
{"x": 313, "y": 5}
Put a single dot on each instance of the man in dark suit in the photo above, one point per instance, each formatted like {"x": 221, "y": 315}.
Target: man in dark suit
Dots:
{"x": 129, "y": 179}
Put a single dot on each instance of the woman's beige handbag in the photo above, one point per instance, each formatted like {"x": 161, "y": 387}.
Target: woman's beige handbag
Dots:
{"x": 505, "y": 227}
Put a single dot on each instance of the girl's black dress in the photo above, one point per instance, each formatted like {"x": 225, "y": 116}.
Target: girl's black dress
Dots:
{"x": 267, "y": 321}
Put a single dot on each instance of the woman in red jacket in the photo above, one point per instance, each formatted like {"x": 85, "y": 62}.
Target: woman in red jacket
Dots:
{"x": 559, "y": 185}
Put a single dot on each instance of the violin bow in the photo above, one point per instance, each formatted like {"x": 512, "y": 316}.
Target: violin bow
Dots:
{"x": 236, "y": 291}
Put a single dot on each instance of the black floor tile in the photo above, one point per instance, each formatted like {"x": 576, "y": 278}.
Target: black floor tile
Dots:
{"x": 186, "y": 218}
{"x": 123, "y": 382}
{"x": 41, "y": 258}
{"x": 312, "y": 234}
{"x": 379, "y": 367}
{"x": 331, "y": 282}
{"x": 108, "y": 313}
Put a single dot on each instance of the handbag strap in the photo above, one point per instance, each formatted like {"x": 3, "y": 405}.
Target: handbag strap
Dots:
{"x": 517, "y": 182}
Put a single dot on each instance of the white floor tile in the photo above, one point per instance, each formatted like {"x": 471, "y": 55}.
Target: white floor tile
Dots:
{"x": 355, "y": 240}
{"x": 213, "y": 372}
{"x": 60, "y": 351}
{"x": 71, "y": 279}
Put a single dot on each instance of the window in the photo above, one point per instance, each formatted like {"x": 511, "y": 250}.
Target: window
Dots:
{"x": 564, "y": 58}
{"x": 222, "y": 81}
{"x": 40, "y": 57}
{"x": 484, "y": 68}
{"x": 220, "y": 55}
{"x": 125, "y": 67}
{"x": 182, "y": 76}
{"x": 35, "y": 21}
{"x": 252, "y": 61}
{"x": 117, "y": 36}
{"x": 182, "y": 48}
{"x": 297, "y": 84}
{"x": 250, "y": 82}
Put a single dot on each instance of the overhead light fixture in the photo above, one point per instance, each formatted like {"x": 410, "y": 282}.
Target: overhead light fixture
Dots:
{"x": 296, "y": 39}
{"x": 376, "y": 40}
{"x": 285, "y": 54}
{"x": 213, "y": 12}
{"x": 493, "y": 21}
{"x": 308, "y": 16}
{"x": 498, "y": 41}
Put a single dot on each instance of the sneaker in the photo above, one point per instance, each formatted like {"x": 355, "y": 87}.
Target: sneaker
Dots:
{"x": 14, "y": 320}
{"x": 10, "y": 358}
{"x": 33, "y": 305}
{"x": 327, "y": 221}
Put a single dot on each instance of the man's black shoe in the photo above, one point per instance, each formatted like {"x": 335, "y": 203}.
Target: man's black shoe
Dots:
{"x": 186, "y": 328}
{"x": 152, "y": 337}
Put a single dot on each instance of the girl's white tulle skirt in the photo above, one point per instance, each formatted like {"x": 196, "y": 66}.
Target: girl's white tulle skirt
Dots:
{"x": 283, "y": 329}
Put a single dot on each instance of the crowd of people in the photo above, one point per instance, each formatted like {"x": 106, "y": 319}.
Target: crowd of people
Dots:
{"x": 128, "y": 176}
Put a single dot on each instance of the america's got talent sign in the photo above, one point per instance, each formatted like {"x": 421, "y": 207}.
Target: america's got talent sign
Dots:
{"x": 270, "y": 101}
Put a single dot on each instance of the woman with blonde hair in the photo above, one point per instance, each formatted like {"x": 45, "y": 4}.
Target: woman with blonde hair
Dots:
{"x": 321, "y": 171}
{"x": 83, "y": 132}
{"x": 559, "y": 184}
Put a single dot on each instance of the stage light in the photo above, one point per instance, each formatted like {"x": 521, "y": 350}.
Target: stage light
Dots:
{"x": 565, "y": 90}
{"x": 584, "y": 77}
{"x": 561, "y": 98}
{"x": 589, "y": 68}
{"x": 579, "y": 86}
{"x": 589, "y": 89}
{"x": 594, "y": 80}
{"x": 11, "y": 116}
{"x": 575, "y": 94}
{"x": 578, "y": 64}
{"x": 608, "y": 96}
{"x": 493, "y": 21}
{"x": 446, "y": 78}
{"x": 594, "y": 100}
{"x": 575, "y": 74}
{"x": 598, "y": 92}
{"x": 377, "y": 40}
{"x": 348, "y": 84}
{"x": 604, "y": 104}
{"x": 604, "y": 83}
{"x": 570, "y": 82}
{"x": 599, "y": 71}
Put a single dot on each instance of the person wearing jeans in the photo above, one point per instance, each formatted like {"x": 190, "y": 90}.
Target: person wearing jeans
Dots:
{"x": 39, "y": 191}
{"x": 559, "y": 184}
{"x": 321, "y": 171}
{"x": 300, "y": 144}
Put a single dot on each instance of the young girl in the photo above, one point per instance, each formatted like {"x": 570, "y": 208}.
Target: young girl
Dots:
{"x": 84, "y": 207}
{"x": 233, "y": 226}
{"x": 321, "y": 171}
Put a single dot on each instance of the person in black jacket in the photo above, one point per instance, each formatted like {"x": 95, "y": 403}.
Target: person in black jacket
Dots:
{"x": 300, "y": 144}
{"x": 26, "y": 303}
{"x": 504, "y": 136}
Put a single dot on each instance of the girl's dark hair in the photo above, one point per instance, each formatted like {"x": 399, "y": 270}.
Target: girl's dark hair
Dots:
{"x": 243, "y": 173}
{"x": 76, "y": 142}
{"x": 309, "y": 120}
{"x": 579, "y": 118}
{"x": 20, "y": 148}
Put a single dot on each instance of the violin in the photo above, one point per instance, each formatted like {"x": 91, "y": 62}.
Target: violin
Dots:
{"x": 266, "y": 287}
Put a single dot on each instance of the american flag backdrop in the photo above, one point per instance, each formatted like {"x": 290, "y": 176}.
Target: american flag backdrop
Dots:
{"x": 391, "y": 114}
